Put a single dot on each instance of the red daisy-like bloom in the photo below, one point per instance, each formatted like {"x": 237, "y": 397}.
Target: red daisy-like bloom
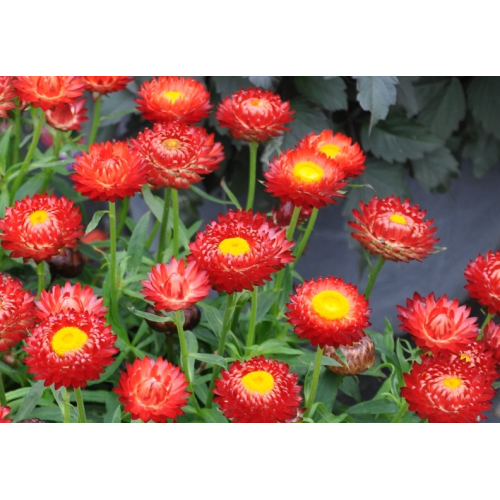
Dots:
{"x": 447, "y": 391}
{"x": 60, "y": 300}
{"x": 70, "y": 348}
{"x": 241, "y": 250}
{"x": 40, "y": 227}
{"x": 4, "y": 411}
{"x": 110, "y": 171}
{"x": 258, "y": 391}
{"x": 153, "y": 390}
{"x": 304, "y": 177}
{"x": 396, "y": 231}
{"x": 479, "y": 357}
{"x": 17, "y": 312}
{"x": 338, "y": 147}
{"x": 254, "y": 115}
{"x": 328, "y": 312}
{"x": 178, "y": 154}
{"x": 173, "y": 98}
{"x": 174, "y": 286}
{"x": 483, "y": 281}
{"x": 49, "y": 91}
{"x": 492, "y": 339}
{"x": 67, "y": 117}
{"x": 438, "y": 325}
{"x": 106, "y": 84}
{"x": 7, "y": 95}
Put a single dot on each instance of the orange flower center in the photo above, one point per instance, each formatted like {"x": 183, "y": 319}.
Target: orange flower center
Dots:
{"x": 38, "y": 217}
{"x": 330, "y": 305}
{"x": 308, "y": 172}
{"x": 330, "y": 150}
{"x": 258, "y": 381}
{"x": 67, "y": 339}
{"x": 171, "y": 144}
{"x": 464, "y": 357}
{"x": 398, "y": 219}
{"x": 172, "y": 95}
{"x": 452, "y": 382}
{"x": 234, "y": 246}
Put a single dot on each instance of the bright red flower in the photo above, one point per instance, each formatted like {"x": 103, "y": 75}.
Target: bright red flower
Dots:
{"x": 338, "y": 147}
{"x": 446, "y": 391}
{"x": 106, "y": 84}
{"x": 153, "y": 390}
{"x": 173, "y": 98}
{"x": 328, "y": 312}
{"x": 483, "y": 281}
{"x": 178, "y": 154}
{"x": 258, "y": 391}
{"x": 174, "y": 286}
{"x": 4, "y": 411}
{"x": 492, "y": 339}
{"x": 304, "y": 177}
{"x": 396, "y": 231}
{"x": 49, "y": 91}
{"x": 67, "y": 117}
{"x": 241, "y": 250}
{"x": 254, "y": 115}
{"x": 17, "y": 312}
{"x": 7, "y": 95}
{"x": 40, "y": 227}
{"x": 70, "y": 348}
{"x": 438, "y": 325}
{"x": 110, "y": 171}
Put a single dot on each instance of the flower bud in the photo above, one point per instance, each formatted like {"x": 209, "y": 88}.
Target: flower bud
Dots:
{"x": 68, "y": 264}
{"x": 192, "y": 316}
{"x": 360, "y": 356}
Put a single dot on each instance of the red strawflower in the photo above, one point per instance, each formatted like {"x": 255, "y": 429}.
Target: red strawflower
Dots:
{"x": 178, "y": 154}
{"x": 338, "y": 147}
{"x": 241, "y": 250}
{"x": 438, "y": 325}
{"x": 67, "y": 117}
{"x": 483, "y": 281}
{"x": 153, "y": 390}
{"x": 174, "y": 286}
{"x": 49, "y": 91}
{"x": 258, "y": 391}
{"x": 173, "y": 98}
{"x": 40, "y": 227}
{"x": 70, "y": 348}
{"x": 447, "y": 391}
{"x": 396, "y": 231}
{"x": 4, "y": 411}
{"x": 17, "y": 312}
{"x": 7, "y": 95}
{"x": 106, "y": 84}
{"x": 110, "y": 171}
{"x": 283, "y": 216}
{"x": 328, "y": 312}
{"x": 254, "y": 115}
{"x": 304, "y": 177}
{"x": 61, "y": 300}
{"x": 492, "y": 339}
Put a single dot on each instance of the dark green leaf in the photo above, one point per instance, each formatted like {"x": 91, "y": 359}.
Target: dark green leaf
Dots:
{"x": 213, "y": 416}
{"x": 227, "y": 85}
{"x": 213, "y": 317}
{"x": 327, "y": 416}
{"x": 329, "y": 94}
{"x": 406, "y": 95}
{"x": 30, "y": 187}
{"x": 265, "y": 301}
{"x": 405, "y": 366}
{"x": 436, "y": 170}
{"x": 375, "y": 406}
{"x": 96, "y": 218}
{"x": 4, "y": 149}
{"x": 154, "y": 205}
{"x": 350, "y": 387}
{"x": 265, "y": 82}
{"x": 30, "y": 401}
{"x": 212, "y": 359}
{"x": 136, "y": 243}
{"x": 483, "y": 151}
{"x": 275, "y": 346}
{"x": 192, "y": 349}
{"x": 328, "y": 386}
{"x": 151, "y": 317}
{"x": 484, "y": 102}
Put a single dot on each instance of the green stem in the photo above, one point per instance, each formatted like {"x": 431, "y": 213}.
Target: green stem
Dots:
{"x": 403, "y": 410}
{"x": 57, "y": 140}
{"x": 3, "y": 397}
{"x": 40, "y": 270}
{"x": 122, "y": 214}
{"x": 17, "y": 136}
{"x": 170, "y": 348}
{"x": 315, "y": 381}
{"x": 113, "y": 292}
{"x": 253, "y": 317}
{"x": 252, "y": 174}
{"x": 372, "y": 277}
{"x": 162, "y": 241}
{"x": 29, "y": 155}
{"x": 66, "y": 407}
{"x": 484, "y": 325}
{"x": 95, "y": 120}
{"x": 82, "y": 419}
{"x": 156, "y": 225}
{"x": 305, "y": 238}
{"x": 175, "y": 209}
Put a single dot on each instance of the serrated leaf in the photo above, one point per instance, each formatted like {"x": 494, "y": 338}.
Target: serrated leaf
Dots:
{"x": 484, "y": 101}
{"x": 483, "y": 151}
{"x": 96, "y": 218}
{"x": 136, "y": 244}
{"x": 265, "y": 82}
{"x": 227, "y": 85}
{"x": 406, "y": 95}
{"x": 212, "y": 359}
{"x": 436, "y": 170}
{"x": 30, "y": 401}
{"x": 329, "y": 94}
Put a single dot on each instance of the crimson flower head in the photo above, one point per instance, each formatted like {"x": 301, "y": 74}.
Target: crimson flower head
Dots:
{"x": 178, "y": 154}
{"x": 70, "y": 348}
{"x": 283, "y": 215}
{"x": 328, "y": 312}
{"x": 109, "y": 171}
{"x": 153, "y": 390}
{"x": 241, "y": 250}
{"x": 49, "y": 91}
{"x": 478, "y": 356}
{"x": 438, "y": 325}
{"x": 394, "y": 230}
{"x": 172, "y": 98}
{"x": 7, "y": 95}
{"x": 175, "y": 286}
{"x": 258, "y": 391}
{"x": 304, "y": 177}
{"x": 40, "y": 227}
{"x": 4, "y": 411}
{"x": 17, "y": 312}
{"x": 492, "y": 339}
{"x": 446, "y": 390}
{"x": 106, "y": 84}
{"x": 254, "y": 115}
{"x": 67, "y": 117}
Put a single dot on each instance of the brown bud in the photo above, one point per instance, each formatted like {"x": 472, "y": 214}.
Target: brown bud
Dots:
{"x": 9, "y": 359}
{"x": 360, "y": 356}
{"x": 68, "y": 264}
{"x": 32, "y": 421}
{"x": 192, "y": 316}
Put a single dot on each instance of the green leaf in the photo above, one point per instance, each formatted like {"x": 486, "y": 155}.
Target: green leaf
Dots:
{"x": 483, "y": 151}
{"x": 406, "y": 95}
{"x": 350, "y": 387}
{"x": 436, "y": 170}
{"x": 209, "y": 197}
{"x": 30, "y": 187}
{"x": 212, "y": 359}
{"x": 153, "y": 204}
{"x": 4, "y": 149}
{"x": 274, "y": 346}
{"x": 227, "y": 85}
{"x": 30, "y": 401}
{"x": 375, "y": 406}
{"x": 213, "y": 317}
{"x": 136, "y": 243}
{"x": 151, "y": 317}
{"x": 484, "y": 101}
{"x": 192, "y": 349}
{"x": 328, "y": 386}
{"x": 405, "y": 366}
{"x": 213, "y": 416}
{"x": 376, "y": 94}
{"x": 329, "y": 94}
{"x": 96, "y": 218}
{"x": 265, "y": 82}
{"x": 265, "y": 301}
{"x": 327, "y": 416}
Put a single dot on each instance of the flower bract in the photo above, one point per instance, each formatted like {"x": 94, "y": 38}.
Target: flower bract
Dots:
{"x": 67, "y": 117}
{"x": 4, "y": 411}
{"x": 106, "y": 84}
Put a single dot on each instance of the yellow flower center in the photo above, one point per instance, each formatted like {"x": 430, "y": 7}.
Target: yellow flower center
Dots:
{"x": 307, "y": 171}
{"x": 234, "y": 246}
{"x": 330, "y": 150}
{"x": 398, "y": 219}
{"x": 330, "y": 305}
{"x": 172, "y": 95}
{"x": 464, "y": 357}
{"x": 171, "y": 144}
{"x": 38, "y": 217}
{"x": 258, "y": 381}
{"x": 255, "y": 102}
{"x": 67, "y": 339}
{"x": 452, "y": 382}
